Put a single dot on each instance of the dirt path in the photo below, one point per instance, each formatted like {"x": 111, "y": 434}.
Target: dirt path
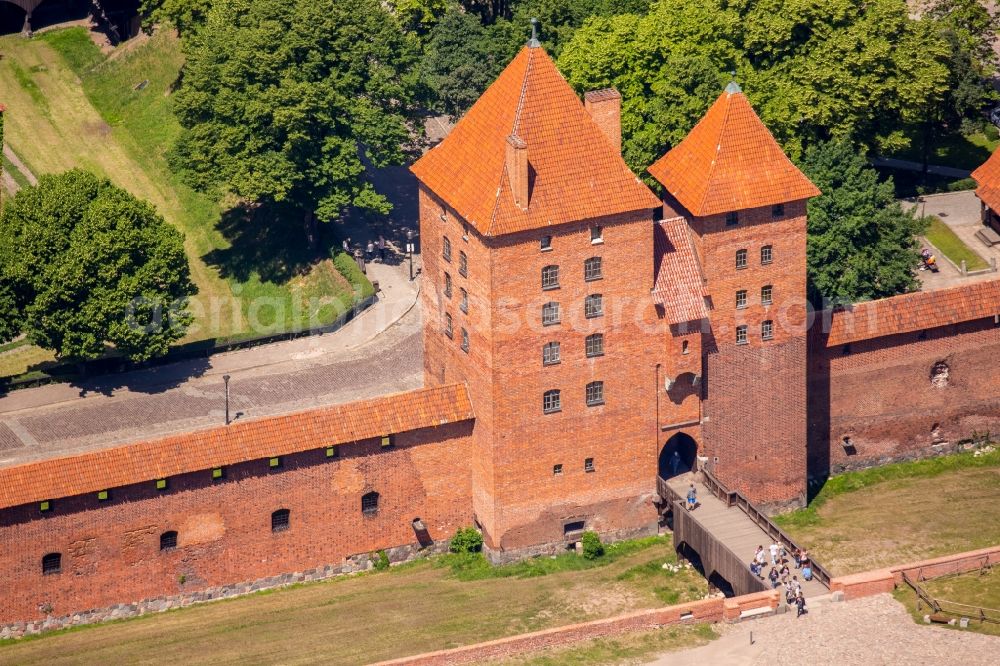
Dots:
{"x": 9, "y": 153}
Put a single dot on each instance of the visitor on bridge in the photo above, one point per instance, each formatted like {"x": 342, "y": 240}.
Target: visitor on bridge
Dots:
{"x": 774, "y": 578}
{"x": 692, "y": 498}
{"x": 756, "y": 569}
{"x": 807, "y": 572}
{"x": 760, "y": 557}
{"x": 775, "y": 552}
{"x": 800, "y": 604}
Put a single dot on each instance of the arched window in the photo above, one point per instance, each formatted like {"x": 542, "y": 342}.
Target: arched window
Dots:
{"x": 551, "y": 401}
{"x": 550, "y": 277}
{"x": 52, "y": 564}
{"x": 448, "y": 327}
{"x": 280, "y": 520}
{"x": 168, "y": 540}
{"x": 369, "y": 503}
{"x": 463, "y": 264}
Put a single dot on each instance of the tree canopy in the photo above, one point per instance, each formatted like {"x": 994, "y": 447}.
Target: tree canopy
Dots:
{"x": 861, "y": 241}
{"x": 88, "y": 265}
{"x": 283, "y": 100}
{"x": 813, "y": 69}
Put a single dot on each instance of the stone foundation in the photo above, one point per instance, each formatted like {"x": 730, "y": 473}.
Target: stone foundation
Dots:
{"x": 498, "y": 557}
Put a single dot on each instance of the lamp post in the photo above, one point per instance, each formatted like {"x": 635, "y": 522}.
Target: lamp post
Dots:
{"x": 226, "y": 379}
{"x": 409, "y": 250}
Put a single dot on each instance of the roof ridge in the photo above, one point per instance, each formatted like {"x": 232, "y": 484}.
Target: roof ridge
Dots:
{"x": 718, "y": 148}
{"x": 524, "y": 93}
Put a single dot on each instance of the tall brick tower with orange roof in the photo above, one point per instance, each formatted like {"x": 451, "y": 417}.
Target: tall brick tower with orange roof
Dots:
{"x": 537, "y": 274}
{"x": 745, "y": 205}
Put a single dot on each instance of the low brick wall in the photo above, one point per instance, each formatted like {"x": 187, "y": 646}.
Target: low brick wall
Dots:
{"x": 707, "y": 610}
{"x": 878, "y": 581}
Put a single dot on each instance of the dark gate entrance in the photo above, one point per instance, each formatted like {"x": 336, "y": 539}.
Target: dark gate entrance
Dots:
{"x": 687, "y": 451}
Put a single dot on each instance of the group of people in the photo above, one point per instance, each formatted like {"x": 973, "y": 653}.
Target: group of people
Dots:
{"x": 373, "y": 251}
{"x": 928, "y": 261}
{"x": 780, "y": 575}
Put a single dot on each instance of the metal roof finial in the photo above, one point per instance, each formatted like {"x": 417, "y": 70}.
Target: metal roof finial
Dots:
{"x": 533, "y": 42}
{"x": 733, "y": 87}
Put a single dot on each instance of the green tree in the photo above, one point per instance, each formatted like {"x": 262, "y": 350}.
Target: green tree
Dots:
{"x": 419, "y": 15}
{"x": 185, "y": 15}
{"x": 89, "y": 265}
{"x": 862, "y": 243}
{"x": 281, "y": 100}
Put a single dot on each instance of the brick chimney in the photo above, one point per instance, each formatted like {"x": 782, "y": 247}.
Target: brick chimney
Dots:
{"x": 605, "y": 107}
{"x": 517, "y": 170}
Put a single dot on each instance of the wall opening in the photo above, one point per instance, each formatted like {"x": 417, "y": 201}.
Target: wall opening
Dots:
{"x": 940, "y": 374}
{"x": 677, "y": 456}
{"x": 280, "y": 520}
{"x": 168, "y": 540}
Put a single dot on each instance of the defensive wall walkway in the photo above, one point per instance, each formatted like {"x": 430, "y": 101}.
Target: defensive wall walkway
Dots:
{"x": 725, "y": 531}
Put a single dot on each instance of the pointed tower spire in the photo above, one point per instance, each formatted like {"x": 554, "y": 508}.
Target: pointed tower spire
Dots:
{"x": 533, "y": 42}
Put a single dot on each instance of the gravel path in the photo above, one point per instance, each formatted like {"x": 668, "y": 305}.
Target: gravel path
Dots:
{"x": 875, "y": 630}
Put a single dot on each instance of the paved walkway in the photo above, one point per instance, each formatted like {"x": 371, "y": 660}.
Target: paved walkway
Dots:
{"x": 379, "y": 352}
{"x": 867, "y": 632}
{"x": 733, "y": 528}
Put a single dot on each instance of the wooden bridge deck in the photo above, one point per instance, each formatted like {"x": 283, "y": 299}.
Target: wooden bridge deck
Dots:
{"x": 734, "y": 529}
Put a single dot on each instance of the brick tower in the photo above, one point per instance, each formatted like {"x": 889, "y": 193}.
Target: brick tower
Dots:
{"x": 537, "y": 274}
{"x": 745, "y": 205}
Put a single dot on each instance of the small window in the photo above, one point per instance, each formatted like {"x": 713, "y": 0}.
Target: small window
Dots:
{"x": 274, "y": 463}
{"x": 448, "y": 327}
{"x": 45, "y": 506}
{"x": 766, "y": 294}
{"x": 51, "y": 564}
{"x": 741, "y": 335}
{"x": 463, "y": 303}
{"x": 684, "y": 347}
{"x": 550, "y": 353}
{"x": 574, "y": 527}
{"x": 332, "y": 452}
{"x": 766, "y": 254}
{"x": 550, "y": 314}
{"x": 588, "y": 465}
{"x": 465, "y": 341}
{"x": 546, "y": 243}
{"x": 778, "y": 211}
{"x": 741, "y": 258}
{"x": 217, "y": 473}
{"x": 103, "y": 495}
{"x": 446, "y": 249}
{"x": 767, "y": 329}
{"x": 732, "y": 218}
{"x": 550, "y": 277}
{"x": 596, "y": 234}
{"x": 741, "y": 299}
{"x": 387, "y": 441}
{"x": 846, "y": 350}
{"x": 593, "y": 306}
{"x": 161, "y": 484}
{"x": 279, "y": 520}
{"x": 595, "y": 394}
{"x": 556, "y": 470}
{"x": 595, "y": 345}
{"x": 592, "y": 269}
{"x": 369, "y": 503}
{"x": 168, "y": 540}
{"x": 447, "y": 285}
{"x": 463, "y": 264}
{"x": 465, "y": 231}
{"x": 551, "y": 401}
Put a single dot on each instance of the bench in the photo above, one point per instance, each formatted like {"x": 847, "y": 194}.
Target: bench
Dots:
{"x": 988, "y": 236}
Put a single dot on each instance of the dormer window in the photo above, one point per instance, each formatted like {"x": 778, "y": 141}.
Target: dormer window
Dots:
{"x": 596, "y": 235}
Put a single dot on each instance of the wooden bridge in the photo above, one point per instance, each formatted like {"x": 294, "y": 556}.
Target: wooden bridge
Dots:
{"x": 725, "y": 531}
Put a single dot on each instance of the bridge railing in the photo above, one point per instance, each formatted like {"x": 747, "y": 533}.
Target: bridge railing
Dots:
{"x": 736, "y": 498}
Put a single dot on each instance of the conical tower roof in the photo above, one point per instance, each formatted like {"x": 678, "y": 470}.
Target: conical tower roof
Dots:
{"x": 575, "y": 173}
{"x": 730, "y": 161}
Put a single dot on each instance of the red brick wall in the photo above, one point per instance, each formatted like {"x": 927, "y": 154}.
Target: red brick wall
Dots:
{"x": 880, "y": 395}
{"x": 110, "y": 550}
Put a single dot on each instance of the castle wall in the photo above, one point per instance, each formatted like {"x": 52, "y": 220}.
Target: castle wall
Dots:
{"x": 879, "y": 393}
{"x": 111, "y": 549}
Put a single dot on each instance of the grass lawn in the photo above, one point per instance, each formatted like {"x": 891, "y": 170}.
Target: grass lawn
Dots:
{"x": 972, "y": 589}
{"x": 69, "y": 106}
{"x": 635, "y": 648}
{"x": 428, "y": 605}
{"x": 901, "y": 513}
{"x": 951, "y": 149}
{"x": 943, "y": 238}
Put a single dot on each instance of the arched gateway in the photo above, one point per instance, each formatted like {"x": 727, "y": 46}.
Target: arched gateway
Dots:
{"x": 687, "y": 452}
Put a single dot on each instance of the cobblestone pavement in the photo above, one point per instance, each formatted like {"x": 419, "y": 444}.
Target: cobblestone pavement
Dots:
{"x": 291, "y": 376}
{"x": 866, "y": 632}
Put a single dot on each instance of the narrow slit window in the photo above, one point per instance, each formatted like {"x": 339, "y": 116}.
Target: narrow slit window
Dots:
{"x": 465, "y": 341}
{"x": 446, "y": 249}
{"x": 463, "y": 264}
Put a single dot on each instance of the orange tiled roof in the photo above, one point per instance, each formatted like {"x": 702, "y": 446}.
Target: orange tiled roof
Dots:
{"x": 730, "y": 162}
{"x": 679, "y": 286}
{"x": 576, "y": 174}
{"x": 914, "y": 312}
{"x": 263, "y": 438}
{"x": 988, "y": 181}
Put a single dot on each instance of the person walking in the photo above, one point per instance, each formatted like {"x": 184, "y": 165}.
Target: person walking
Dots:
{"x": 370, "y": 251}
{"x": 346, "y": 245}
{"x": 775, "y": 550}
{"x": 381, "y": 248}
{"x": 759, "y": 556}
{"x": 675, "y": 463}
{"x": 773, "y": 577}
{"x": 692, "y": 498}
{"x": 800, "y": 605}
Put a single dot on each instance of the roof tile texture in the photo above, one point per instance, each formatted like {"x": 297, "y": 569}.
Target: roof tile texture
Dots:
{"x": 730, "y": 161}
{"x": 679, "y": 286}
{"x": 269, "y": 437}
{"x": 988, "y": 180}
{"x": 575, "y": 172}
{"x": 914, "y": 312}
